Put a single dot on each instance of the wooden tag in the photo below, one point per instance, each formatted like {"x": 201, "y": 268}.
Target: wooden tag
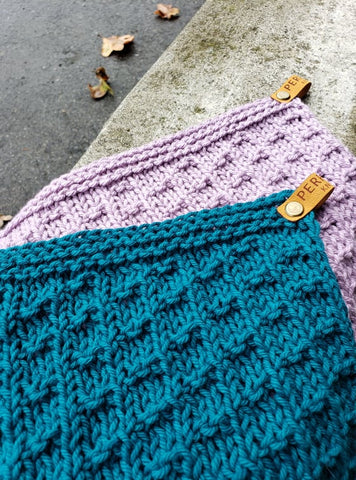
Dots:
{"x": 310, "y": 195}
{"x": 294, "y": 87}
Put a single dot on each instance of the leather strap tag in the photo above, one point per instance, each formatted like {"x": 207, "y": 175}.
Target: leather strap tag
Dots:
{"x": 310, "y": 195}
{"x": 294, "y": 87}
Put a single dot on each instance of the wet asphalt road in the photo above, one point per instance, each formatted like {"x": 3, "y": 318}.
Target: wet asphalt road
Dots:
{"x": 48, "y": 54}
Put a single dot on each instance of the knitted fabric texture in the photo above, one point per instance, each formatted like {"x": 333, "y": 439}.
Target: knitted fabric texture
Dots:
{"x": 212, "y": 346}
{"x": 250, "y": 152}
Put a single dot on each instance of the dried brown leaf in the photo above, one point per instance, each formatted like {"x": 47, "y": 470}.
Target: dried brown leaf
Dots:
{"x": 166, "y": 11}
{"x": 100, "y": 72}
{"x": 115, "y": 43}
{"x": 4, "y": 218}
{"x": 99, "y": 91}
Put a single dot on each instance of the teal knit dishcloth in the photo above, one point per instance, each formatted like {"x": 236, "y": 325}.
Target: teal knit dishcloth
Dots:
{"x": 212, "y": 346}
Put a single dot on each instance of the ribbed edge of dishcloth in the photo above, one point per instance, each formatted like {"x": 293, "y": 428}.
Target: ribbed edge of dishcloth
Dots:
{"x": 111, "y": 169}
{"x": 113, "y": 246}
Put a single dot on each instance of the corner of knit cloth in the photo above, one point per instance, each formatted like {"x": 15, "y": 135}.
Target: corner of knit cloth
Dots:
{"x": 251, "y": 151}
{"x": 212, "y": 345}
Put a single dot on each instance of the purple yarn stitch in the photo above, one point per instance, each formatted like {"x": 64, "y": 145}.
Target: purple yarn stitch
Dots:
{"x": 254, "y": 150}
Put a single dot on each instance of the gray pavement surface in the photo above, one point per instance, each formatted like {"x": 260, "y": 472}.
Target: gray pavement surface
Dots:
{"x": 233, "y": 52}
{"x": 48, "y": 54}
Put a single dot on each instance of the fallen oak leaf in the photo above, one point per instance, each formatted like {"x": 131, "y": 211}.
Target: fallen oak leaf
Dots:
{"x": 4, "y": 218}
{"x": 166, "y": 11}
{"x": 115, "y": 43}
{"x": 99, "y": 91}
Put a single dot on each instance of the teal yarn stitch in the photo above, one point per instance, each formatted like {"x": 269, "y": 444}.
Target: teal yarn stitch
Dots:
{"x": 212, "y": 346}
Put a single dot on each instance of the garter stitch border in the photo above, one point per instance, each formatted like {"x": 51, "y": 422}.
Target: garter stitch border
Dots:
{"x": 214, "y": 346}
{"x": 252, "y": 151}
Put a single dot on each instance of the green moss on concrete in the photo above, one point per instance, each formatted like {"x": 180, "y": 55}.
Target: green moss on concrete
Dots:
{"x": 124, "y": 136}
{"x": 198, "y": 110}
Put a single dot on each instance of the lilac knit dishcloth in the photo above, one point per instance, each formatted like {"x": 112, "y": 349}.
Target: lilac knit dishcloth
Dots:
{"x": 254, "y": 150}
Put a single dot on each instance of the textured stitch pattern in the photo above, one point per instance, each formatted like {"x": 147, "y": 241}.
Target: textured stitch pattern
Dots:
{"x": 213, "y": 346}
{"x": 252, "y": 151}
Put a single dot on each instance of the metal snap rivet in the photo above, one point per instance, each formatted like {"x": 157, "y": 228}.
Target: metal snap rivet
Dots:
{"x": 283, "y": 95}
{"x": 294, "y": 209}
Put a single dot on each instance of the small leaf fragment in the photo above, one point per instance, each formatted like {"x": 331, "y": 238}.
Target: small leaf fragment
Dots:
{"x": 100, "y": 72}
{"x": 166, "y": 11}
{"x": 115, "y": 43}
{"x": 99, "y": 91}
{"x": 4, "y": 218}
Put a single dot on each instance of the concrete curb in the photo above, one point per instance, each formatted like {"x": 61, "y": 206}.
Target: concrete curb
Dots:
{"x": 232, "y": 53}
